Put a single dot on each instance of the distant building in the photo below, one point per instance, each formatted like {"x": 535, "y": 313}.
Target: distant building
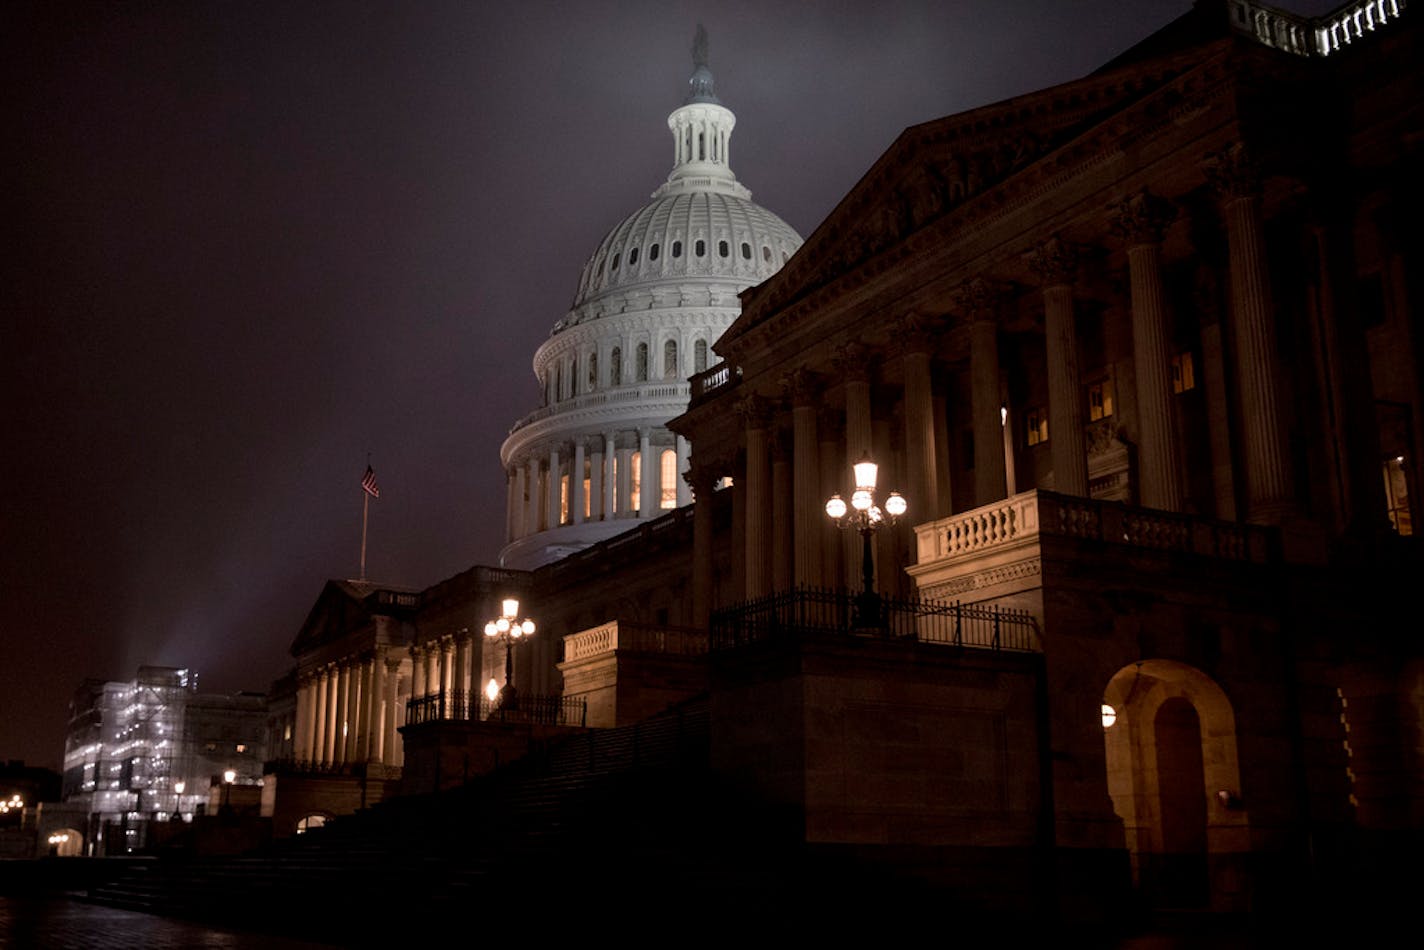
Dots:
{"x": 150, "y": 750}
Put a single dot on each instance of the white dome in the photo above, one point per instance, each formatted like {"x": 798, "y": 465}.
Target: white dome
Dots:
{"x": 653, "y": 298}
{"x": 689, "y": 232}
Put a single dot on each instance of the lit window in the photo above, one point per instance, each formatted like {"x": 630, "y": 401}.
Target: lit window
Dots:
{"x": 1396, "y": 494}
{"x": 1183, "y": 374}
{"x": 670, "y": 359}
{"x": 287, "y": 733}
{"x": 635, "y": 479}
{"x": 613, "y": 474}
{"x": 563, "y": 499}
{"x": 1100, "y": 400}
{"x": 1037, "y": 423}
{"x": 241, "y": 747}
{"x": 668, "y": 480}
{"x": 700, "y": 248}
{"x": 587, "y": 495}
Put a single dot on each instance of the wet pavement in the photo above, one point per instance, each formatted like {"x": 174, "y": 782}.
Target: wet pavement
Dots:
{"x": 58, "y": 923}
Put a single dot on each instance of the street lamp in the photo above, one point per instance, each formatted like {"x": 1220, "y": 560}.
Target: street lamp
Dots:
{"x": 178, "y": 800}
{"x": 865, "y": 516}
{"x": 229, "y": 777}
{"x": 509, "y": 629}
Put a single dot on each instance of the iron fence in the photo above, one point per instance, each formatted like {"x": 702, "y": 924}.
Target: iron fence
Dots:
{"x": 804, "y": 610}
{"x": 458, "y": 705}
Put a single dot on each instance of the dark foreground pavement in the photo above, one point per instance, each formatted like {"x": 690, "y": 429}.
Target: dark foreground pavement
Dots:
{"x": 57, "y": 923}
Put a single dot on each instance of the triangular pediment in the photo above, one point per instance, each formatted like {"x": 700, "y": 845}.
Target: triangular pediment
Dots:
{"x": 345, "y": 607}
{"x": 934, "y": 168}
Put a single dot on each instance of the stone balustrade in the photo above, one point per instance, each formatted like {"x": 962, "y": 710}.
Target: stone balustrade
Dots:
{"x": 642, "y": 638}
{"x": 1312, "y": 36}
{"x": 606, "y": 397}
{"x": 1022, "y": 518}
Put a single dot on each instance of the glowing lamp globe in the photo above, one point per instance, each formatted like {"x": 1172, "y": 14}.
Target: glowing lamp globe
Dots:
{"x": 895, "y": 505}
{"x": 836, "y": 507}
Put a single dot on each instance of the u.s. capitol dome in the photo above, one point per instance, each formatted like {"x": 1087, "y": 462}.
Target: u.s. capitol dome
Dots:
{"x": 652, "y": 299}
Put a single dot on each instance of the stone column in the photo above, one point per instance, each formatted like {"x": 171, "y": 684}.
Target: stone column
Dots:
{"x": 554, "y": 485}
{"x": 333, "y": 724}
{"x": 829, "y": 426}
{"x": 852, "y": 363}
{"x": 508, "y": 505}
{"x": 363, "y": 717}
{"x": 921, "y": 474}
{"x": 1141, "y": 221}
{"x": 649, "y": 486}
{"x": 302, "y": 739}
{"x": 1237, "y": 183}
{"x": 417, "y": 672}
{"x": 389, "y": 748}
{"x": 596, "y": 511}
{"x": 320, "y": 714}
{"x": 803, "y": 389}
{"x": 1056, "y": 262}
{"x": 610, "y": 477}
{"x": 979, "y": 299}
{"x": 531, "y": 508}
{"x": 517, "y": 506}
{"x": 783, "y": 507}
{"x": 343, "y": 710}
{"x": 756, "y": 415}
{"x": 576, "y": 512}
{"x": 684, "y": 493}
{"x": 377, "y": 751}
{"x": 702, "y": 479}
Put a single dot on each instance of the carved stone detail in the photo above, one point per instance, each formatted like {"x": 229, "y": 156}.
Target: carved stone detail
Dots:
{"x": 755, "y": 410}
{"x": 1233, "y": 173}
{"x": 852, "y": 361}
{"x": 1054, "y": 262}
{"x": 801, "y": 387}
{"x": 980, "y": 298}
{"x": 1142, "y": 218}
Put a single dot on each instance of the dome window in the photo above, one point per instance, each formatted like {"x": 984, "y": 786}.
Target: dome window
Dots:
{"x": 615, "y": 263}
{"x": 670, "y": 359}
{"x": 699, "y": 356}
{"x": 653, "y": 253}
{"x": 592, "y": 374}
{"x": 700, "y": 248}
{"x": 746, "y": 251}
{"x": 632, "y": 257}
{"x": 615, "y": 367}
{"x": 766, "y": 253}
{"x": 722, "y": 249}
{"x": 676, "y": 248}
{"x": 641, "y": 364}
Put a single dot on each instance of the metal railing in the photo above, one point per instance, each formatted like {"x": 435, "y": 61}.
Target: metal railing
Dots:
{"x": 722, "y": 376}
{"x": 460, "y": 706}
{"x": 802, "y": 610}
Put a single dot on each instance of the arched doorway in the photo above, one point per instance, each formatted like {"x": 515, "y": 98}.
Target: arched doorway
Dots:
{"x": 64, "y": 843}
{"x": 1170, "y": 739}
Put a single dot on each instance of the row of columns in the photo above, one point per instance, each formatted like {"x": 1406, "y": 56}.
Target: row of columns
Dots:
{"x": 348, "y": 712}
{"x": 609, "y": 461}
{"x": 443, "y": 666}
{"x": 1140, "y": 221}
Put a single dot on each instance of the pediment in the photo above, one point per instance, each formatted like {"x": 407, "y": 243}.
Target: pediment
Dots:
{"x": 340, "y": 609}
{"x": 933, "y": 168}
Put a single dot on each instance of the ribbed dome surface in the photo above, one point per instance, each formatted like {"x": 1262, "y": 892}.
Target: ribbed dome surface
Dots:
{"x": 690, "y": 232}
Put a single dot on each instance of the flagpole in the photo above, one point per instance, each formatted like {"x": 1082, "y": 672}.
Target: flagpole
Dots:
{"x": 365, "y": 509}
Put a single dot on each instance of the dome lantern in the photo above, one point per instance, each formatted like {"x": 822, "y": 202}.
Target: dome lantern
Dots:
{"x": 701, "y": 127}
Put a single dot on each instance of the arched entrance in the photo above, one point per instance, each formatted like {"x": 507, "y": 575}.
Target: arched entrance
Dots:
{"x": 64, "y": 843}
{"x": 1170, "y": 738}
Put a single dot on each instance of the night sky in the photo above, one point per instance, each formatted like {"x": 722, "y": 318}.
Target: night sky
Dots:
{"x": 249, "y": 243}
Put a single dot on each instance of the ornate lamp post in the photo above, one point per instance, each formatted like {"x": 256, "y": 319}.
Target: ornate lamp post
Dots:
{"x": 509, "y": 629}
{"x": 178, "y": 787}
{"x": 228, "y": 777}
{"x": 865, "y": 516}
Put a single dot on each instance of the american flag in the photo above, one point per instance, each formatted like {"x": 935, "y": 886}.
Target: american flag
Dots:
{"x": 368, "y": 482}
